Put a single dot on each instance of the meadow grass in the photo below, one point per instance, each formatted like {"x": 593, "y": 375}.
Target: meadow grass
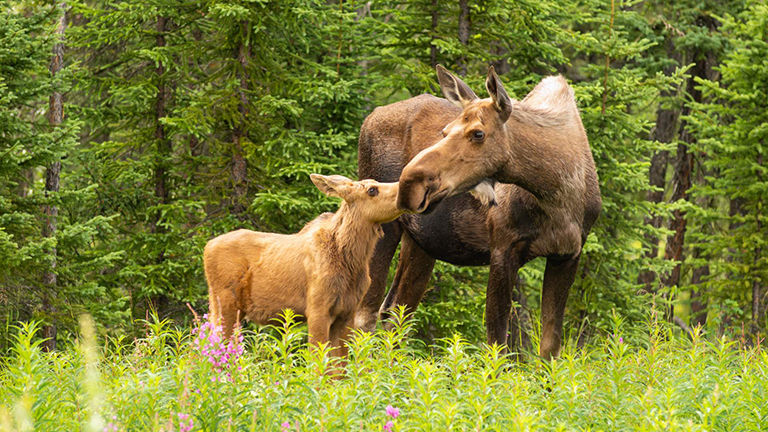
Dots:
{"x": 180, "y": 380}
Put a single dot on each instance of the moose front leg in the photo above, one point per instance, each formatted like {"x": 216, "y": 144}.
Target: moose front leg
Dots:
{"x": 368, "y": 311}
{"x": 558, "y": 278}
{"x": 414, "y": 268}
{"x": 319, "y": 328}
{"x": 505, "y": 262}
{"x": 339, "y": 336}
{"x": 340, "y": 331}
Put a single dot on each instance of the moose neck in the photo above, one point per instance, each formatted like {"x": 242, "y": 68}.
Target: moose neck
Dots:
{"x": 545, "y": 156}
{"x": 355, "y": 236}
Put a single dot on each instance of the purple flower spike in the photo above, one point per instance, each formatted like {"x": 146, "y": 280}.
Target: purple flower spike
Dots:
{"x": 392, "y": 411}
{"x": 185, "y": 426}
{"x": 621, "y": 339}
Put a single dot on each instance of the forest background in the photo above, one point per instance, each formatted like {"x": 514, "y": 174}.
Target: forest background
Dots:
{"x": 133, "y": 132}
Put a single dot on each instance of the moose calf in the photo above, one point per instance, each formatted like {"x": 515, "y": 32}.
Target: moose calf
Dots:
{"x": 320, "y": 272}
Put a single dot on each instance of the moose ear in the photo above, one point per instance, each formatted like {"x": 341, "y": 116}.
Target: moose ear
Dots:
{"x": 499, "y": 96}
{"x": 454, "y": 89}
{"x": 333, "y": 185}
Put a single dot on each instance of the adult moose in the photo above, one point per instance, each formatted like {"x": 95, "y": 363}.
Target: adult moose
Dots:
{"x": 547, "y": 196}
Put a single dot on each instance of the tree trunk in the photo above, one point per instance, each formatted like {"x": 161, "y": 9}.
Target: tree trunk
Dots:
{"x": 52, "y": 176}
{"x": 163, "y": 143}
{"x": 698, "y": 301}
{"x": 239, "y": 165}
{"x": 464, "y": 23}
{"x": 703, "y": 69}
{"x": 163, "y": 151}
{"x": 698, "y": 298}
{"x": 681, "y": 185}
{"x": 664, "y": 132}
{"x": 666, "y": 124}
{"x": 432, "y": 33}
{"x": 501, "y": 65}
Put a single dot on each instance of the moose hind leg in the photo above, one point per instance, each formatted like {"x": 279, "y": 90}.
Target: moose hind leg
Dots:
{"x": 558, "y": 278}
{"x": 224, "y": 311}
{"x": 367, "y": 311}
{"x": 414, "y": 268}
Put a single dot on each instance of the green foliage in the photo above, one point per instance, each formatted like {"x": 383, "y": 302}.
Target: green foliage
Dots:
{"x": 733, "y": 130}
{"x": 159, "y": 382}
{"x": 615, "y": 96}
{"x": 28, "y": 145}
{"x": 454, "y": 305}
{"x": 185, "y": 120}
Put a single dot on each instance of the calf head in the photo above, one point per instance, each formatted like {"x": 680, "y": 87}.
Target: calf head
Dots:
{"x": 373, "y": 201}
{"x": 475, "y": 146}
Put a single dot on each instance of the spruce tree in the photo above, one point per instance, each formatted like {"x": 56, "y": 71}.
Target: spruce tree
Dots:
{"x": 733, "y": 130}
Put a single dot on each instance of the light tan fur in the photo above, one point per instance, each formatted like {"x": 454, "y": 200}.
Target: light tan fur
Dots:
{"x": 321, "y": 272}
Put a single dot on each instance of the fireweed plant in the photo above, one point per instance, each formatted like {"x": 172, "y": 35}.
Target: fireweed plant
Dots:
{"x": 269, "y": 380}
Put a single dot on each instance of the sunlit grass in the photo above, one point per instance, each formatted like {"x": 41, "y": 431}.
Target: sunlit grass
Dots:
{"x": 164, "y": 382}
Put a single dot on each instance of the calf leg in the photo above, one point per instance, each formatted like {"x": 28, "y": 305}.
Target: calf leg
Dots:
{"x": 558, "y": 278}
{"x": 414, "y": 268}
{"x": 339, "y": 334}
{"x": 319, "y": 328}
{"x": 505, "y": 262}
{"x": 224, "y": 311}
{"x": 367, "y": 312}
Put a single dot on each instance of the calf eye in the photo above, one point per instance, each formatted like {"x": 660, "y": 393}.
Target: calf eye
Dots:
{"x": 478, "y": 135}
{"x": 373, "y": 191}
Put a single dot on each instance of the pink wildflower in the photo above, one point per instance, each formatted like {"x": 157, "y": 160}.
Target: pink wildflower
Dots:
{"x": 221, "y": 353}
{"x": 392, "y": 411}
{"x": 185, "y": 426}
{"x": 388, "y": 426}
{"x": 286, "y": 426}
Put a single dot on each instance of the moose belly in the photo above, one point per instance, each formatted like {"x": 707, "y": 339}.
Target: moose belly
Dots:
{"x": 455, "y": 231}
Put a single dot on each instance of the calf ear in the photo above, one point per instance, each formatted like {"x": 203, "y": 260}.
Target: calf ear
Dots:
{"x": 333, "y": 185}
{"x": 454, "y": 89}
{"x": 500, "y": 98}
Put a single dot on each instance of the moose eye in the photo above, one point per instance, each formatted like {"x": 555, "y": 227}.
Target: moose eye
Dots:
{"x": 373, "y": 191}
{"x": 478, "y": 135}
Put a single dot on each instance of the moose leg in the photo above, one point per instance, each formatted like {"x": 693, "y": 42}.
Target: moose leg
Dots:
{"x": 224, "y": 311}
{"x": 319, "y": 328}
{"x": 340, "y": 331}
{"x": 414, "y": 268}
{"x": 505, "y": 262}
{"x": 558, "y": 278}
{"x": 367, "y": 312}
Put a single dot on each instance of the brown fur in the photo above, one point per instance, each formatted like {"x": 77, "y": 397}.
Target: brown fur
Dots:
{"x": 548, "y": 196}
{"x": 321, "y": 272}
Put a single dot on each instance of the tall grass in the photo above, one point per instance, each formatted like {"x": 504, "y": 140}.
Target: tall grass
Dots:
{"x": 166, "y": 381}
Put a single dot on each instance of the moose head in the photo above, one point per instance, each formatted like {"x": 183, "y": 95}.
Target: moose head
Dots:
{"x": 474, "y": 146}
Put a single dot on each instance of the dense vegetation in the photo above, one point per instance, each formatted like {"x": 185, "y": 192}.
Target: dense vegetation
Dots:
{"x": 171, "y": 380}
{"x": 133, "y": 132}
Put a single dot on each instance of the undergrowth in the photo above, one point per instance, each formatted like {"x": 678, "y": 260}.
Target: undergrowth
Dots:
{"x": 180, "y": 380}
